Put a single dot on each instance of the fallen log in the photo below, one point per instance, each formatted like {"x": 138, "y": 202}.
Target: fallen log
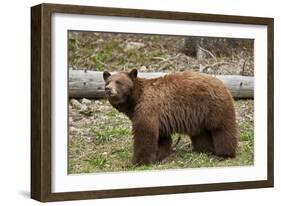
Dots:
{"x": 90, "y": 84}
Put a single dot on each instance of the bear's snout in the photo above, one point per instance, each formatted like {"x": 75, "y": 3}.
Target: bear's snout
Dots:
{"x": 110, "y": 91}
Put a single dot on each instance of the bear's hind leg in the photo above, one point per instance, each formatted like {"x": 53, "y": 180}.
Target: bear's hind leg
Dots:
{"x": 225, "y": 142}
{"x": 203, "y": 143}
{"x": 164, "y": 147}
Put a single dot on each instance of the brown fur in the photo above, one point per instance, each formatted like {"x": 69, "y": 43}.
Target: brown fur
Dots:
{"x": 191, "y": 103}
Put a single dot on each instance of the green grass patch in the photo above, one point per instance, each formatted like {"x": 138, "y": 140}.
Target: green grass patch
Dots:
{"x": 109, "y": 134}
{"x": 112, "y": 113}
{"x": 98, "y": 161}
{"x": 246, "y": 131}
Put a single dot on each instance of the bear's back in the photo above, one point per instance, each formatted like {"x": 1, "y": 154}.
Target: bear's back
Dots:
{"x": 181, "y": 97}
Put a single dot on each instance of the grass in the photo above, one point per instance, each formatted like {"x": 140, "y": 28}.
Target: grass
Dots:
{"x": 110, "y": 148}
{"x": 110, "y": 134}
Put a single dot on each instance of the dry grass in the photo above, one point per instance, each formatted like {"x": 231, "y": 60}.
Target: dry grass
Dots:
{"x": 100, "y": 51}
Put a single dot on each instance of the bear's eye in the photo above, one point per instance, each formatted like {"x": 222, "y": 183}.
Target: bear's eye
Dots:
{"x": 118, "y": 82}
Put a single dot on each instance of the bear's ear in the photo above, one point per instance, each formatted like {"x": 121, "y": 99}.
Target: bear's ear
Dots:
{"x": 133, "y": 74}
{"x": 106, "y": 74}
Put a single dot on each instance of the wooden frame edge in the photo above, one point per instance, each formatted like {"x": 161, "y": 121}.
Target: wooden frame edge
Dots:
{"x": 270, "y": 101}
{"x": 156, "y": 14}
{"x": 101, "y": 194}
{"x": 40, "y": 102}
{"x": 36, "y": 58}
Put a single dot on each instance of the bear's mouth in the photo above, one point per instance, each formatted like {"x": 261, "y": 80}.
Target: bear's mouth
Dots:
{"x": 111, "y": 95}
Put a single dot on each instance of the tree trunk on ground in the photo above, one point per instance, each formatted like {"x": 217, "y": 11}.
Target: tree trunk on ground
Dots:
{"x": 90, "y": 84}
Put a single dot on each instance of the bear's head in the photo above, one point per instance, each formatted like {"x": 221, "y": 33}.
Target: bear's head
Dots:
{"x": 119, "y": 86}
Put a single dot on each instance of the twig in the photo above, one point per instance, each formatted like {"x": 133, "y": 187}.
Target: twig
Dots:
{"x": 202, "y": 69}
{"x": 199, "y": 156}
{"x": 177, "y": 142}
{"x": 165, "y": 60}
{"x": 186, "y": 145}
{"x": 159, "y": 58}
{"x": 207, "y": 51}
{"x": 243, "y": 67}
{"x": 100, "y": 62}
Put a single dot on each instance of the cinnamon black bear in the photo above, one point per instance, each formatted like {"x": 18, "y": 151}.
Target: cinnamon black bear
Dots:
{"x": 191, "y": 103}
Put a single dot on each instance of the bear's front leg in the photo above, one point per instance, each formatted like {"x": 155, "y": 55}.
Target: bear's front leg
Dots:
{"x": 145, "y": 141}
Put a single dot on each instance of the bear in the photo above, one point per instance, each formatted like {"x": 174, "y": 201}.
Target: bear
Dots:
{"x": 188, "y": 102}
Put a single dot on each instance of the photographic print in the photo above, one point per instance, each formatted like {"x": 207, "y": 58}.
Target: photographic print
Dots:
{"x": 180, "y": 91}
{"x": 128, "y": 102}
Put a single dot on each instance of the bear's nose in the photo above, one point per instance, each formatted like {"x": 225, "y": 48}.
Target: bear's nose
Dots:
{"x": 107, "y": 90}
